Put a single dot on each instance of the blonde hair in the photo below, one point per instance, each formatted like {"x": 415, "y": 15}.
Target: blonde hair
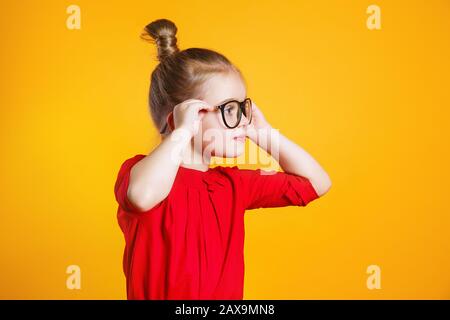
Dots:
{"x": 180, "y": 74}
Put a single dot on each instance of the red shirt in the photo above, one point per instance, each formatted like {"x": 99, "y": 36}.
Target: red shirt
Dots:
{"x": 191, "y": 244}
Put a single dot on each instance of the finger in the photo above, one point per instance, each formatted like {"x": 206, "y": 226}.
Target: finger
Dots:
{"x": 194, "y": 101}
{"x": 188, "y": 103}
{"x": 255, "y": 108}
{"x": 201, "y": 105}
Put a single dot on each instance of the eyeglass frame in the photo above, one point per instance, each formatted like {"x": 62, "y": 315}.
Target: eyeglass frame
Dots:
{"x": 221, "y": 107}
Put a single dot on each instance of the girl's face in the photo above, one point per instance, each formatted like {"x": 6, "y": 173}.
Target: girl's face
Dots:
{"x": 217, "y": 139}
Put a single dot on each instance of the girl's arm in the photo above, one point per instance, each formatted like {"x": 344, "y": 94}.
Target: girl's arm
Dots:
{"x": 291, "y": 157}
{"x": 151, "y": 178}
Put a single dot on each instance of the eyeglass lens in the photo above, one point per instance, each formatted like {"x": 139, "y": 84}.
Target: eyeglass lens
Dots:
{"x": 232, "y": 111}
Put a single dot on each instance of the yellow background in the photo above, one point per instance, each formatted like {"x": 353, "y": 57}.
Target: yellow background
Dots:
{"x": 371, "y": 106}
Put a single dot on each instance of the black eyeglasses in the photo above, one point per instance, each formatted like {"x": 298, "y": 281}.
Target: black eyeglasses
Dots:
{"x": 232, "y": 111}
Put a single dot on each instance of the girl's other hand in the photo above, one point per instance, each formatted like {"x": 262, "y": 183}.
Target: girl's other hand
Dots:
{"x": 258, "y": 124}
{"x": 258, "y": 119}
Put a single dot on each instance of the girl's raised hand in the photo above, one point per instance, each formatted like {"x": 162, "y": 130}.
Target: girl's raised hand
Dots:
{"x": 188, "y": 115}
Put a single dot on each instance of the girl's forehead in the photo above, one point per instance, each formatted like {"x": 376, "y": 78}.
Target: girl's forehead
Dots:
{"x": 221, "y": 88}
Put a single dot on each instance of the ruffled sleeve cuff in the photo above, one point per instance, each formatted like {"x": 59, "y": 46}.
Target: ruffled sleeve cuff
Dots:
{"x": 299, "y": 191}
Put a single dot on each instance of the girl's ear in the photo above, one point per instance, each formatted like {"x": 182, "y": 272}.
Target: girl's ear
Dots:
{"x": 170, "y": 121}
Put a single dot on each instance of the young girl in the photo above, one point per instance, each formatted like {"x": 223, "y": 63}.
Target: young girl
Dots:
{"x": 183, "y": 221}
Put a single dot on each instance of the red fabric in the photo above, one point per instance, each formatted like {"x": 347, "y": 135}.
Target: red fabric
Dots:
{"x": 191, "y": 244}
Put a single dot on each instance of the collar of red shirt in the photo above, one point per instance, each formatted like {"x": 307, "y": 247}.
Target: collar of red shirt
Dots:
{"x": 212, "y": 179}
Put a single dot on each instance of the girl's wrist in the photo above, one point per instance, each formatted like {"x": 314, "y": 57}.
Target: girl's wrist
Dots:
{"x": 181, "y": 134}
{"x": 183, "y": 131}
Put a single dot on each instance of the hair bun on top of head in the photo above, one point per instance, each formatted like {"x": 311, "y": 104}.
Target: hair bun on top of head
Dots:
{"x": 162, "y": 32}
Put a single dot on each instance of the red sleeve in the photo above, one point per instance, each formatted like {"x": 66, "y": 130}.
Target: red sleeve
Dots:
{"x": 268, "y": 189}
{"x": 121, "y": 186}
